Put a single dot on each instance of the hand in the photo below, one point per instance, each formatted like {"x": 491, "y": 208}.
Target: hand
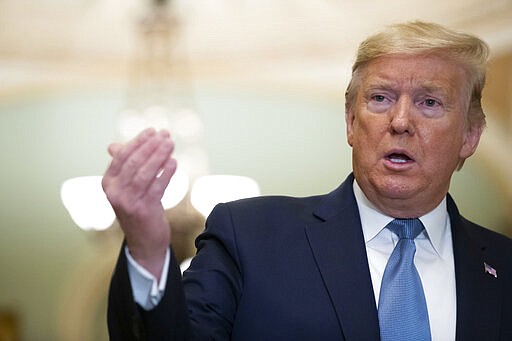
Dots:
{"x": 134, "y": 184}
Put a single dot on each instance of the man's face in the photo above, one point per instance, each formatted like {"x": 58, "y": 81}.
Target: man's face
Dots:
{"x": 408, "y": 133}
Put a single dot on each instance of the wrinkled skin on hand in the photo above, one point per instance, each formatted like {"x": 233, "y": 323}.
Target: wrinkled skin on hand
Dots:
{"x": 134, "y": 184}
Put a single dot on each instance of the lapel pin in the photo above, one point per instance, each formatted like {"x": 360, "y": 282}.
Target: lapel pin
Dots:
{"x": 490, "y": 270}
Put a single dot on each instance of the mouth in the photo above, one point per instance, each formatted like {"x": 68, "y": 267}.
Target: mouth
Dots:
{"x": 399, "y": 158}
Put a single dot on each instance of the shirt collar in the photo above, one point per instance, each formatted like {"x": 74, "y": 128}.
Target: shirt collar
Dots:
{"x": 436, "y": 222}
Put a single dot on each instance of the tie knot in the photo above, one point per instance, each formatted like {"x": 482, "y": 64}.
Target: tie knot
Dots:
{"x": 406, "y": 228}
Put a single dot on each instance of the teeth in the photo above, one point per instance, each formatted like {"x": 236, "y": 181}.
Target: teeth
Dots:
{"x": 397, "y": 160}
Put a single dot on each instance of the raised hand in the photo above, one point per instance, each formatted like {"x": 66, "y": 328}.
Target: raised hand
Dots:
{"x": 134, "y": 184}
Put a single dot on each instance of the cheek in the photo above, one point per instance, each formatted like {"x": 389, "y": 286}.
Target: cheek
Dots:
{"x": 369, "y": 131}
{"x": 443, "y": 147}
{"x": 365, "y": 141}
{"x": 357, "y": 135}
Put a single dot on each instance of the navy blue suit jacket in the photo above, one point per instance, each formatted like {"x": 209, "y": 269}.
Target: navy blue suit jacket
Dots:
{"x": 281, "y": 268}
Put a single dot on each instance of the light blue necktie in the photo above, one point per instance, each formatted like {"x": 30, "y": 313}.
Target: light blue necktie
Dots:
{"x": 403, "y": 311}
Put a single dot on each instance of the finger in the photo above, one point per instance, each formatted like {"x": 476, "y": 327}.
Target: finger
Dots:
{"x": 164, "y": 133}
{"x": 135, "y": 143}
{"x": 150, "y": 169}
{"x": 120, "y": 155}
{"x": 160, "y": 183}
{"x": 114, "y": 148}
{"x": 149, "y": 157}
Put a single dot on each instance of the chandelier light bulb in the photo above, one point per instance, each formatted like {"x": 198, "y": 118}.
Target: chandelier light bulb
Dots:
{"x": 176, "y": 190}
{"x": 86, "y": 203}
{"x": 210, "y": 190}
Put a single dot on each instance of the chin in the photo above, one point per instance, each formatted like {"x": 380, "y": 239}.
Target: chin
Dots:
{"x": 397, "y": 187}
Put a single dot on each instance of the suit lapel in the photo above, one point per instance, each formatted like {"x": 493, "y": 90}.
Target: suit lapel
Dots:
{"x": 337, "y": 243}
{"x": 478, "y": 293}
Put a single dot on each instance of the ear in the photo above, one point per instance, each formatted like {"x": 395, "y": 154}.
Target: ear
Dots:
{"x": 349, "y": 121}
{"x": 471, "y": 140}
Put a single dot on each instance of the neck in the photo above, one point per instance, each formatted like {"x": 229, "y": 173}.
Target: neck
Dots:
{"x": 404, "y": 208}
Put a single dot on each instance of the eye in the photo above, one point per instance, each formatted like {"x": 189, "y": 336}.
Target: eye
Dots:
{"x": 431, "y": 107}
{"x": 429, "y": 102}
{"x": 378, "y": 98}
{"x": 379, "y": 101}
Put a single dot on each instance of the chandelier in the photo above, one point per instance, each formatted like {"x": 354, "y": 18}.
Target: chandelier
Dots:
{"x": 160, "y": 96}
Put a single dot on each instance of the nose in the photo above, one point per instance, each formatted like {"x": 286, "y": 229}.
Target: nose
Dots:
{"x": 401, "y": 117}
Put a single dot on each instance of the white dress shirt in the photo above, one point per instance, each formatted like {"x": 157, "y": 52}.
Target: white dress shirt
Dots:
{"x": 433, "y": 259}
{"x": 147, "y": 292}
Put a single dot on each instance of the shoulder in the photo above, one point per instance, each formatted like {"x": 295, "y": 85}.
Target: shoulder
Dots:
{"x": 483, "y": 236}
{"x": 267, "y": 210}
{"x": 486, "y": 236}
{"x": 492, "y": 246}
{"x": 254, "y": 230}
{"x": 273, "y": 203}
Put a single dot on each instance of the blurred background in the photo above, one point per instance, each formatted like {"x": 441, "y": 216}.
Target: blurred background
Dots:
{"x": 251, "y": 88}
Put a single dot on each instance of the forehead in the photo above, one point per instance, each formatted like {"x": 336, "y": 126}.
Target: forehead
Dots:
{"x": 406, "y": 72}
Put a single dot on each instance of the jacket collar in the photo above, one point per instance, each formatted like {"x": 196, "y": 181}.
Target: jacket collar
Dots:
{"x": 338, "y": 236}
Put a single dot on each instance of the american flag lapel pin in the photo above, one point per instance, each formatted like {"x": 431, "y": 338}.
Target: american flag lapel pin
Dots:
{"x": 490, "y": 270}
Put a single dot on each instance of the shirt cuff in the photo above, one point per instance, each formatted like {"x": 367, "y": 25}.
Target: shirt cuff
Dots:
{"x": 147, "y": 292}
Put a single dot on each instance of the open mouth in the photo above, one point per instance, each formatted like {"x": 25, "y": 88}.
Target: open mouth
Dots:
{"x": 398, "y": 158}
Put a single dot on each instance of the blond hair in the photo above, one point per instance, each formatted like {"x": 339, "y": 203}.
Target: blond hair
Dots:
{"x": 420, "y": 38}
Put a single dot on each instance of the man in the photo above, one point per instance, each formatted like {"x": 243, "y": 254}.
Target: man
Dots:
{"x": 326, "y": 267}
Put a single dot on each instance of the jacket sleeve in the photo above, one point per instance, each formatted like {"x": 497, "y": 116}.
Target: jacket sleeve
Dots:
{"x": 201, "y": 307}
{"x": 127, "y": 321}
{"x": 213, "y": 282}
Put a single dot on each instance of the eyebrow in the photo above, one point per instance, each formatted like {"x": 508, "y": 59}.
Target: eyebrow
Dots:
{"x": 380, "y": 83}
{"x": 435, "y": 88}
